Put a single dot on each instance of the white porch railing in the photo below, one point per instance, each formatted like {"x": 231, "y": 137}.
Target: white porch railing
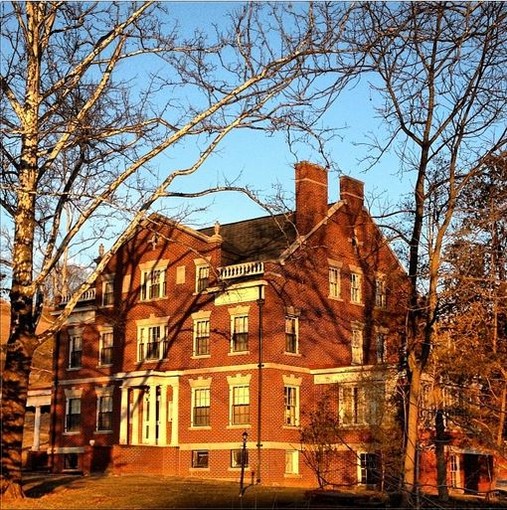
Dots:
{"x": 88, "y": 295}
{"x": 241, "y": 270}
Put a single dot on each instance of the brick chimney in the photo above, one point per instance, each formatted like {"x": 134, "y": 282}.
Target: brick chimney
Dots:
{"x": 352, "y": 192}
{"x": 311, "y": 196}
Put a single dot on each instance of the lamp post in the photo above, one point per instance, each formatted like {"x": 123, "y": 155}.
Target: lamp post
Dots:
{"x": 243, "y": 462}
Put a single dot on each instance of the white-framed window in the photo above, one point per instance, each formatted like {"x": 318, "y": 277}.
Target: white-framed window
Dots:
{"x": 152, "y": 339}
{"x": 291, "y": 405}
{"x": 201, "y": 277}
{"x": 380, "y": 342}
{"x": 200, "y": 459}
{"x": 72, "y": 411}
{"x": 153, "y": 280}
{"x": 368, "y": 468}
{"x": 106, "y": 347}
{"x": 380, "y": 291}
{"x": 75, "y": 348}
{"x": 357, "y": 345}
{"x": 361, "y": 404}
{"x": 238, "y": 456}
{"x": 239, "y": 333}
{"x": 201, "y": 337}
{"x": 292, "y": 334}
{"x": 104, "y": 409}
{"x": 291, "y": 462}
{"x": 454, "y": 471}
{"x": 108, "y": 290}
{"x": 201, "y": 403}
{"x": 334, "y": 282}
{"x": 356, "y": 294}
{"x": 240, "y": 405}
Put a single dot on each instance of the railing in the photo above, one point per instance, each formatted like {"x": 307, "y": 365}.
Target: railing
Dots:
{"x": 88, "y": 295}
{"x": 241, "y": 270}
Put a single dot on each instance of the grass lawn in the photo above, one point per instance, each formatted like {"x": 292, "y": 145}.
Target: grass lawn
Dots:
{"x": 145, "y": 492}
{"x": 127, "y": 492}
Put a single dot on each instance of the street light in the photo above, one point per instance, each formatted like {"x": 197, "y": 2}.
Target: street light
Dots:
{"x": 243, "y": 462}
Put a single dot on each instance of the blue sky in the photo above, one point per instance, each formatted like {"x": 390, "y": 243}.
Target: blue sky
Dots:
{"x": 262, "y": 162}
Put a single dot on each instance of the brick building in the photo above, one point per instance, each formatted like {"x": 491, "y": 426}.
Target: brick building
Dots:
{"x": 196, "y": 342}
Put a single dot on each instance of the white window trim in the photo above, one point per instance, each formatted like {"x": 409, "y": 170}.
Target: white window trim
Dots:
{"x": 292, "y": 317}
{"x": 357, "y": 351}
{"x": 335, "y": 266}
{"x": 381, "y": 298}
{"x": 359, "y": 466}
{"x": 71, "y": 394}
{"x": 291, "y": 381}
{"x": 294, "y": 471}
{"x": 236, "y": 312}
{"x": 103, "y": 391}
{"x": 201, "y": 264}
{"x": 199, "y": 384}
{"x": 103, "y": 330}
{"x": 149, "y": 267}
{"x": 74, "y": 333}
{"x": 197, "y": 317}
{"x": 356, "y": 297}
{"x": 152, "y": 322}
{"x": 106, "y": 280}
{"x": 235, "y": 381}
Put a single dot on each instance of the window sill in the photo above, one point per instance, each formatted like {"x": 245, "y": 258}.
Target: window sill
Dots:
{"x": 199, "y": 470}
{"x": 237, "y": 353}
{"x": 197, "y": 427}
{"x": 236, "y": 427}
{"x": 356, "y": 303}
{"x": 238, "y": 469}
{"x": 291, "y": 427}
{"x": 292, "y": 475}
{"x": 200, "y": 356}
{"x": 72, "y": 433}
{"x": 335, "y": 298}
{"x": 294, "y": 354}
{"x": 106, "y": 365}
{"x": 73, "y": 369}
{"x": 103, "y": 432}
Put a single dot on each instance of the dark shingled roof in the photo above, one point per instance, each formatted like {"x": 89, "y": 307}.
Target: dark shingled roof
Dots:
{"x": 256, "y": 239}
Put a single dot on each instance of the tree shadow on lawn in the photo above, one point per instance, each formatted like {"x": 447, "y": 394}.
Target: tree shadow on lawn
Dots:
{"x": 41, "y": 484}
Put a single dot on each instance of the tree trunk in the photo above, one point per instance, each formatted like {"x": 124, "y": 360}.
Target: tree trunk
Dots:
{"x": 15, "y": 380}
{"x": 440, "y": 439}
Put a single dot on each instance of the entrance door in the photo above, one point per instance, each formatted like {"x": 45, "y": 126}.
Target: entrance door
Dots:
{"x": 471, "y": 467}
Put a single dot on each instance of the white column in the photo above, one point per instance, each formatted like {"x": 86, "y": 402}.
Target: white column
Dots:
{"x": 134, "y": 416}
{"x": 175, "y": 416}
{"x": 36, "y": 430}
{"x": 124, "y": 416}
{"x": 162, "y": 416}
{"x": 152, "y": 439}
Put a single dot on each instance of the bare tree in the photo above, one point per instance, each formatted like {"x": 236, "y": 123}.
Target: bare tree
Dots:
{"x": 92, "y": 96}
{"x": 439, "y": 68}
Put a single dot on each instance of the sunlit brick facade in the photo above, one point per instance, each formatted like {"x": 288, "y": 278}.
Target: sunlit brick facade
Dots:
{"x": 193, "y": 337}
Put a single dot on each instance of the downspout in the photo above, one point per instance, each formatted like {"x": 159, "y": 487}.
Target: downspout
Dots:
{"x": 260, "y": 304}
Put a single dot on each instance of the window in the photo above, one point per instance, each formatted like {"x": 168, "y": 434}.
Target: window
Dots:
{"x": 355, "y": 408}
{"x": 105, "y": 412}
{"x": 153, "y": 283}
{"x": 201, "y": 337}
{"x": 152, "y": 341}
{"x": 454, "y": 470}
{"x": 357, "y": 346}
{"x": 381, "y": 347}
{"x": 291, "y": 334}
{"x": 75, "y": 349}
{"x": 355, "y": 288}
{"x": 291, "y": 462}
{"x": 352, "y": 405}
{"x": 73, "y": 414}
{"x": 200, "y": 459}
{"x": 106, "y": 348}
{"x": 201, "y": 278}
{"x": 201, "y": 407}
{"x": 291, "y": 405}
{"x": 334, "y": 282}
{"x": 239, "y": 333}
{"x": 369, "y": 472}
{"x": 380, "y": 292}
{"x": 237, "y": 456}
{"x": 108, "y": 291}
{"x": 240, "y": 406}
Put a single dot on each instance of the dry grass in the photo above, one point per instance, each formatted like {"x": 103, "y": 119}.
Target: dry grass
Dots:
{"x": 148, "y": 492}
